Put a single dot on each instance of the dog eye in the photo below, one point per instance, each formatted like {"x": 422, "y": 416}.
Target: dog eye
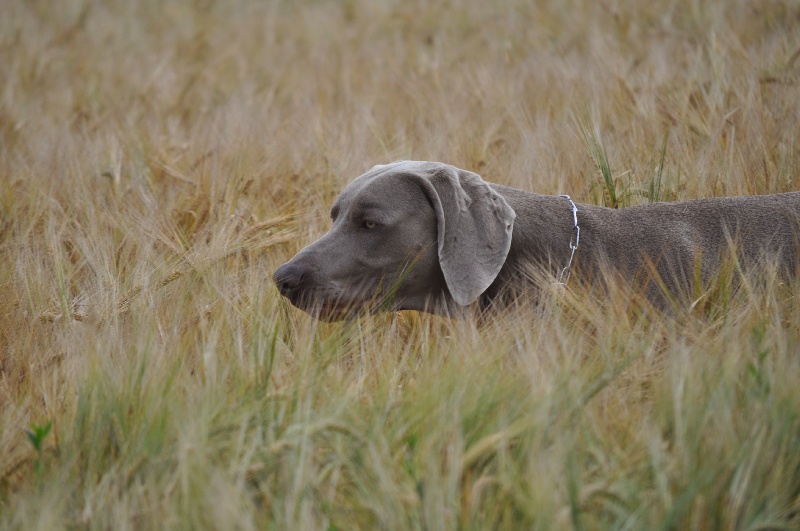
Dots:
{"x": 369, "y": 224}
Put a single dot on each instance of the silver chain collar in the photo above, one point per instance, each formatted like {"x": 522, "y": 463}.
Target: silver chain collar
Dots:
{"x": 574, "y": 240}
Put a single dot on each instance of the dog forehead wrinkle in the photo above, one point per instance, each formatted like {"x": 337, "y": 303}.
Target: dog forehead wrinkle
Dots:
{"x": 346, "y": 197}
{"x": 389, "y": 193}
{"x": 394, "y": 174}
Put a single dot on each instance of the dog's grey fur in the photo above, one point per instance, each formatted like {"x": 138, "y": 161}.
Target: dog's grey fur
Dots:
{"x": 428, "y": 236}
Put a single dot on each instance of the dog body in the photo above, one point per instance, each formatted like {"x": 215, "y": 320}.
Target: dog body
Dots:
{"x": 428, "y": 236}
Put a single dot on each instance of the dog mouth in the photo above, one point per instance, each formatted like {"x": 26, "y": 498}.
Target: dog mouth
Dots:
{"x": 332, "y": 304}
{"x": 332, "y": 310}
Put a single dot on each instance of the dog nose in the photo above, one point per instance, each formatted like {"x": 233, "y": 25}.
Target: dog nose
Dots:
{"x": 289, "y": 278}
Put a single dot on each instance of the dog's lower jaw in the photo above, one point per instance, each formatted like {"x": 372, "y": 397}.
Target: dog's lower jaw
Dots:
{"x": 331, "y": 311}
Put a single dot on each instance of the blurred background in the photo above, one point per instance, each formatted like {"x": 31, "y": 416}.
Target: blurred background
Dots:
{"x": 158, "y": 160}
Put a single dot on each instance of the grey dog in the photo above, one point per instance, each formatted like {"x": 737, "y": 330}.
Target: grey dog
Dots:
{"x": 432, "y": 237}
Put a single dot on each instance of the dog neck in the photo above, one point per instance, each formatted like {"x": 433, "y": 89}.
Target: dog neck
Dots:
{"x": 541, "y": 245}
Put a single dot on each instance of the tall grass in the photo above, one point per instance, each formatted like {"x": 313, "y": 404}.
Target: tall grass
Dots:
{"x": 159, "y": 161}
{"x": 594, "y": 146}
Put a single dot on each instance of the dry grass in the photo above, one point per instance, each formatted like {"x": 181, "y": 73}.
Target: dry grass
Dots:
{"x": 157, "y": 162}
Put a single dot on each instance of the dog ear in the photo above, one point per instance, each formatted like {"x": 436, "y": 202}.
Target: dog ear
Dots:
{"x": 474, "y": 232}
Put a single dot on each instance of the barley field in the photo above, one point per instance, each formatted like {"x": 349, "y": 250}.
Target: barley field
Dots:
{"x": 159, "y": 160}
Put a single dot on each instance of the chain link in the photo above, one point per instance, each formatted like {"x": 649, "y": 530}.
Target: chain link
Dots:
{"x": 574, "y": 240}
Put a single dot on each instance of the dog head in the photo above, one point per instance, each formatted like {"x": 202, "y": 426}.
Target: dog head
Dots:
{"x": 405, "y": 236}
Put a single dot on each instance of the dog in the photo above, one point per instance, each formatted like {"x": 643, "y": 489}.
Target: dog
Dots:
{"x": 427, "y": 236}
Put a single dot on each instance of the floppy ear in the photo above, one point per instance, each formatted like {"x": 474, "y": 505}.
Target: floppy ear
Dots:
{"x": 474, "y": 233}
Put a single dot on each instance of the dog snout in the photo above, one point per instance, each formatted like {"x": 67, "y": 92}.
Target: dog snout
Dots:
{"x": 290, "y": 279}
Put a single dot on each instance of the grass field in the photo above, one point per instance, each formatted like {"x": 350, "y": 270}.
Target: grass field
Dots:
{"x": 158, "y": 161}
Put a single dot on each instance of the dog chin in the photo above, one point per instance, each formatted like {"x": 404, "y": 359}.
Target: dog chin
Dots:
{"x": 331, "y": 312}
